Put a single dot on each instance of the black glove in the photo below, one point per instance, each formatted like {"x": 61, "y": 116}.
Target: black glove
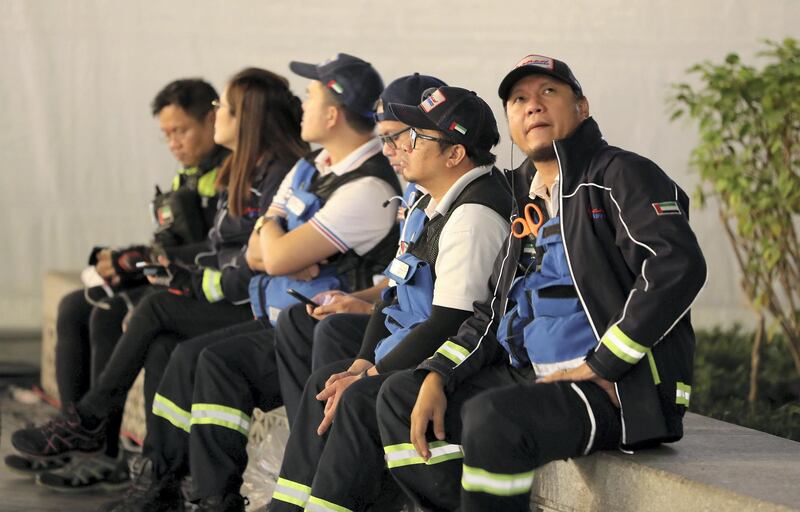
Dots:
{"x": 182, "y": 280}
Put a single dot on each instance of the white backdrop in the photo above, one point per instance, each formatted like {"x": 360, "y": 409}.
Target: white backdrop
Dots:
{"x": 80, "y": 152}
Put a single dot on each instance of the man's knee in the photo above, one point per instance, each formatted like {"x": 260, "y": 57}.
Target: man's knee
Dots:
{"x": 289, "y": 319}
{"x": 479, "y": 415}
{"x": 398, "y": 394}
{"x": 72, "y": 306}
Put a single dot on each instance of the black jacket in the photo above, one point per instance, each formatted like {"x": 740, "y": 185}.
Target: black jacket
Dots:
{"x": 229, "y": 236}
{"x": 637, "y": 268}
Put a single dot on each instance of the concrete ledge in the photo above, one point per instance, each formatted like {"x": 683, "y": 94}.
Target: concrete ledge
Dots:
{"x": 716, "y": 467}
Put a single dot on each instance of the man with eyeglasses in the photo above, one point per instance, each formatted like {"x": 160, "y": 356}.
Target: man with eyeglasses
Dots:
{"x": 307, "y": 338}
{"x": 450, "y": 237}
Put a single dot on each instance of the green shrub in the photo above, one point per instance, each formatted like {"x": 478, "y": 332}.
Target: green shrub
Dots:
{"x": 721, "y": 382}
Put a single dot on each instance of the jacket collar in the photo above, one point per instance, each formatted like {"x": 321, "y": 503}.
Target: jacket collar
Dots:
{"x": 575, "y": 153}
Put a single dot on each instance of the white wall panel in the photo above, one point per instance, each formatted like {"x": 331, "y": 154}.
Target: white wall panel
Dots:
{"x": 80, "y": 152}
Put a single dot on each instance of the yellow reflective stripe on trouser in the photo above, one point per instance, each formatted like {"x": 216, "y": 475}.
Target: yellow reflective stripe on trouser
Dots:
{"x": 207, "y": 184}
{"x": 683, "y": 393}
{"x": 291, "y": 492}
{"x": 622, "y": 346}
{"x": 319, "y": 505}
{"x": 166, "y": 408}
{"x": 453, "y": 352}
{"x": 498, "y": 484}
{"x": 228, "y": 417}
{"x": 212, "y": 285}
{"x": 399, "y": 455}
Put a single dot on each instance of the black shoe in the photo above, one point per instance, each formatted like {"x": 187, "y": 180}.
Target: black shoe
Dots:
{"x": 29, "y": 466}
{"x": 227, "y": 503}
{"x": 148, "y": 493}
{"x": 88, "y": 473}
{"x": 60, "y": 436}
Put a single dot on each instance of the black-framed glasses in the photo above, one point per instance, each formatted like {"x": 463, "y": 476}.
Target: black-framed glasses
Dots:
{"x": 391, "y": 139}
{"x": 414, "y": 134}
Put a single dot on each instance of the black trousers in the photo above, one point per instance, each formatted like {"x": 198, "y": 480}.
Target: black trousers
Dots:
{"x": 160, "y": 313}
{"x": 499, "y": 427}
{"x": 304, "y": 344}
{"x": 86, "y": 335}
{"x": 169, "y": 426}
{"x": 343, "y": 468}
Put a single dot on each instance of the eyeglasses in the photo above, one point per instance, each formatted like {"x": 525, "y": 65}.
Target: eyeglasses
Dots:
{"x": 391, "y": 139}
{"x": 414, "y": 134}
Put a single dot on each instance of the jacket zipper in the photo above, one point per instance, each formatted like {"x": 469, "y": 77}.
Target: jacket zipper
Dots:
{"x": 575, "y": 283}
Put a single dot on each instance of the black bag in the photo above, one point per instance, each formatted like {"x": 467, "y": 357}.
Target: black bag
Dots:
{"x": 179, "y": 217}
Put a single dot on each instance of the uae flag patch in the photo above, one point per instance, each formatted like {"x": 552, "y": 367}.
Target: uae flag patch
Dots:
{"x": 457, "y": 127}
{"x": 667, "y": 208}
{"x": 333, "y": 84}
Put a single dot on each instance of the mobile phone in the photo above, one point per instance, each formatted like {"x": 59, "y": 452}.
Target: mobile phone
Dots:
{"x": 302, "y": 298}
{"x": 152, "y": 269}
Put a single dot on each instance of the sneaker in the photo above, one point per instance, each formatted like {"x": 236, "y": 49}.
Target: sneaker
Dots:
{"x": 29, "y": 466}
{"x": 227, "y": 503}
{"x": 148, "y": 494}
{"x": 87, "y": 473}
{"x": 62, "y": 435}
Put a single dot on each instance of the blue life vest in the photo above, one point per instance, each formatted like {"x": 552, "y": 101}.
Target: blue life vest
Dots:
{"x": 268, "y": 293}
{"x": 414, "y": 287}
{"x": 547, "y": 327}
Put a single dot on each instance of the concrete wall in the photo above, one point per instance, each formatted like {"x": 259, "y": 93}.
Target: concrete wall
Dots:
{"x": 81, "y": 153}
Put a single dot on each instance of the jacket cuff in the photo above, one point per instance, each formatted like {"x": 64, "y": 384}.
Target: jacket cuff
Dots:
{"x": 616, "y": 354}
{"x": 212, "y": 285}
{"x": 441, "y": 365}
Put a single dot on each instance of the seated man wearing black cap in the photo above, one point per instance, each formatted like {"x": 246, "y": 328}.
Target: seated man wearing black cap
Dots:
{"x": 308, "y": 338}
{"x": 600, "y": 349}
{"x": 450, "y": 236}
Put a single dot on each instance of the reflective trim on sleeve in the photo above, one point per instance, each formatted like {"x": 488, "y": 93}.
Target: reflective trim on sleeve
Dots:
{"x": 212, "y": 285}
{"x": 166, "y": 408}
{"x": 176, "y": 182}
{"x": 399, "y": 455}
{"x": 497, "y": 484}
{"x": 453, "y": 352}
{"x": 220, "y": 415}
{"x": 319, "y": 505}
{"x": 683, "y": 393}
{"x": 291, "y": 492}
{"x": 622, "y": 346}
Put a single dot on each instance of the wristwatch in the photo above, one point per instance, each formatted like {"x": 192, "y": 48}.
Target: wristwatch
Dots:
{"x": 263, "y": 220}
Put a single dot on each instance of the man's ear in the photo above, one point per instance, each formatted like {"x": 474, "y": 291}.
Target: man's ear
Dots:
{"x": 333, "y": 114}
{"x": 583, "y": 108}
{"x": 456, "y": 154}
{"x": 210, "y": 118}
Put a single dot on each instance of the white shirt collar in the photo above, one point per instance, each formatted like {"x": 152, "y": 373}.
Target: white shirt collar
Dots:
{"x": 539, "y": 189}
{"x": 455, "y": 189}
{"x": 351, "y": 162}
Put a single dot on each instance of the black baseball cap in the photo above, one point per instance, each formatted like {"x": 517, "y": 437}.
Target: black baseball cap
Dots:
{"x": 407, "y": 90}
{"x": 353, "y": 81}
{"x": 459, "y": 113}
{"x": 538, "y": 64}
